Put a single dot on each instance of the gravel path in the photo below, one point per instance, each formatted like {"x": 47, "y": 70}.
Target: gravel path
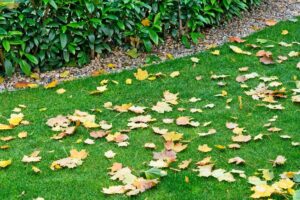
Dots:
{"x": 250, "y": 22}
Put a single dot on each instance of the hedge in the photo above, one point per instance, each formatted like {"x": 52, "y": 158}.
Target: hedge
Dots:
{"x": 48, "y": 34}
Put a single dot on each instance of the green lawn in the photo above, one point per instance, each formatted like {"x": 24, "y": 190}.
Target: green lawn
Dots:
{"x": 18, "y": 181}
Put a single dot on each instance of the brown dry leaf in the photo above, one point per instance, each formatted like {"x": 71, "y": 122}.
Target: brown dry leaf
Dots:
{"x": 204, "y": 148}
{"x": 241, "y": 138}
{"x": 236, "y": 39}
{"x": 185, "y": 164}
{"x": 141, "y": 74}
{"x": 271, "y": 22}
{"x": 23, "y": 84}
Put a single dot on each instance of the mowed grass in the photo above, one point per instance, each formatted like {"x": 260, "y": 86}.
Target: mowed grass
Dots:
{"x": 18, "y": 181}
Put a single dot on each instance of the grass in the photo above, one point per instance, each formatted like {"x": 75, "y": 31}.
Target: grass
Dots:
{"x": 85, "y": 182}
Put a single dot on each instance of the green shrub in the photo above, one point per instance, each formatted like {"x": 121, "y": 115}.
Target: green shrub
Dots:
{"x": 48, "y": 34}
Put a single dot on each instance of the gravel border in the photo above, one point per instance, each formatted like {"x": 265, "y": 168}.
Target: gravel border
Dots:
{"x": 249, "y": 22}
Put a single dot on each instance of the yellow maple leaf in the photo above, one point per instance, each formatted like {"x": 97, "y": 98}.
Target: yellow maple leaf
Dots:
{"x": 141, "y": 74}
{"x": 262, "y": 190}
{"x": 78, "y": 154}
{"x": 285, "y": 183}
{"x": 15, "y": 119}
{"x": 172, "y": 136}
{"x": 5, "y": 163}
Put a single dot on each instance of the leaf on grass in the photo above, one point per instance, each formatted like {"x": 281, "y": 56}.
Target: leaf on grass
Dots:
{"x": 239, "y": 50}
{"x": 141, "y": 74}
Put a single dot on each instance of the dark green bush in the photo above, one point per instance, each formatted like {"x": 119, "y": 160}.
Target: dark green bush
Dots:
{"x": 48, "y": 34}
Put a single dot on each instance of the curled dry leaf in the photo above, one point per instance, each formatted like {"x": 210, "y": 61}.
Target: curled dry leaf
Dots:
{"x": 236, "y": 160}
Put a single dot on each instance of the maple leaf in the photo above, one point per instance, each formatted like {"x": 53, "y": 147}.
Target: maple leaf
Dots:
{"x": 222, "y": 175}
{"x": 141, "y": 74}
{"x": 185, "y": 164}
{"x": 162, "y": 107}
{"x": 78, "y": 154}
{"x": 173, "y": 136}
{"x": 34, "y": 157}
{"x": 262, "y": 190}
{"x": 170, "y": 97}
{"x": 58, "y": 123}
